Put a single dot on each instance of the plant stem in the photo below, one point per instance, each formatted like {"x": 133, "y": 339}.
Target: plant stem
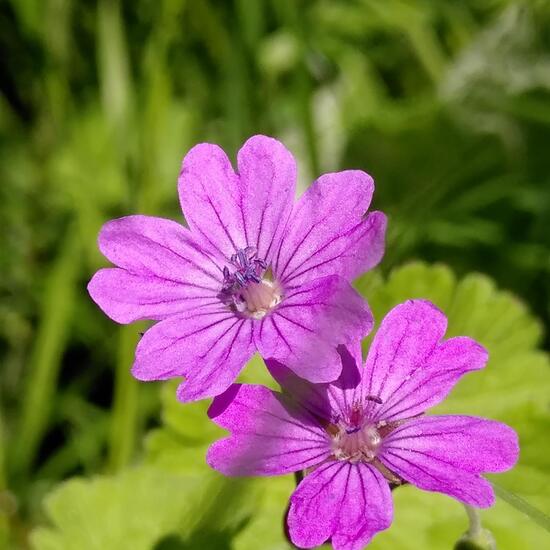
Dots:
{"x": 45, "y": 359}
{"x": 474, "y": 518}
{"x": 536, "y": 515}
{"x": 125, "y": 402}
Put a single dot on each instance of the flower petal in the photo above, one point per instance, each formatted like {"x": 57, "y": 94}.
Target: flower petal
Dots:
{"x": 329, "y": 231}
{"x": 447, "y": 453}
{"x": 157, "y": 247}
{"x": 218, "y": 369}
{"x": 408, "y": 368}
{"x": 328, "y": 402}
{"x": 268, "y": 183}
{"x": 269, "y": 435}
{"x": 162, "y": 270}
{"x": 209, "y": 347}
{"x": 126, "y": 297}
{"x": 232, "y": 211}
{"x": 210, "y": 198}
{"x": 306, "y": 328}
{"x": 349, "y": 503}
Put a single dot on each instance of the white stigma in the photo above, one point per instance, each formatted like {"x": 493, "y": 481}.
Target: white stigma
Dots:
{"x": 260, "y": 298}
{"x": 359, "y": 445}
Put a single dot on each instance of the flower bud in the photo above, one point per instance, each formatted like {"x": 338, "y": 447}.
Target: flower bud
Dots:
{"x": 483, "y": 540}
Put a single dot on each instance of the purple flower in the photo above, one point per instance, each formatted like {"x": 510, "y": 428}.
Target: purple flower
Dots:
{"x": 254, "y": 271}
{"x": 356, "y": 436}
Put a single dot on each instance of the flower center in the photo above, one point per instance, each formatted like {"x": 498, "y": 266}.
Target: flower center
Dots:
{"x": 249, "y": 288}
{"x": 356, "y": 444}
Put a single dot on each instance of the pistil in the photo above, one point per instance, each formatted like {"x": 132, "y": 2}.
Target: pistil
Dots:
{"x": 356, "y": 444}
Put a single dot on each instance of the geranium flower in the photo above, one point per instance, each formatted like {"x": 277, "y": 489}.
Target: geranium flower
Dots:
{"x": 254, "y": 270}
{"x": 357, "y": 436}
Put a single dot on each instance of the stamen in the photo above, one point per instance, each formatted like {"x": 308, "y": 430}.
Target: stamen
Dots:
{"x": 250, "y": 289}
{"x": 352, "y": 431}
{"x": 240, "y": 278}
{"x": 374, "y": 398}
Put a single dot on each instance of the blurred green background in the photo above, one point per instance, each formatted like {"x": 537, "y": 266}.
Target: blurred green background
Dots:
{"x": 446, "y": 104}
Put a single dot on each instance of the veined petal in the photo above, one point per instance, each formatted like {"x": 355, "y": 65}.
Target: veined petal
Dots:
{"x": 209, "y": 347}
{"x": 210, "y": 198}
{"x": 344, "y": 391}
{"x": 409, "y": 368}
{"x": 329, "y": 231}
{"x": 162, "y": 270}
{"x": 447, "y": 453}
{"x": 267, "y": 172}
{"x": 231, "y": 211}
{"x": 126, "y": 297}
{"x": 157, "y": 247}
{"x": 269, "y": 436}
{"x": 348, "y": 503}
{"x": 218, "y": 366}
{"x": 313, "y": 397}
{"x": 306, "y": 328}
{"x": 430, "y": 384}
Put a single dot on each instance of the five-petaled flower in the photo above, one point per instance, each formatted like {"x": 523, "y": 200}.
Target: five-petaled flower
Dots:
{"x": 254, "y": 270}
{"x": 357, "y": 436}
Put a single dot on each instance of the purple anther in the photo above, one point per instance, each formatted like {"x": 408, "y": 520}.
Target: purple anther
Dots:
{"x": 240, "y": 278}
{"x": 352, "y": 430}
{"x": 247, "y": 269}
{"x": 374, "y": 398}
{"x": 243, "y": 261}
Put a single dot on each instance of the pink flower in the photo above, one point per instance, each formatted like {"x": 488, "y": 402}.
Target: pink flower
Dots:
{"x": 253, "y": 272}
{"x": 356, "y": 436}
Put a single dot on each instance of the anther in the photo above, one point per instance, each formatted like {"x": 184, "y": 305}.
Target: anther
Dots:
{"x": 374, "y": 398}
{"x": 249, "y": 288}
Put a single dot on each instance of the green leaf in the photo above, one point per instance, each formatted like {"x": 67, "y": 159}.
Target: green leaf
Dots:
{"x": 135, "y": 508}
{"x": 268, "y": 523}
{"x": 188, "y": 422}
{"x": 141, "y": 506}
{"x": 181, "y": 445}
{"x": 45, "y": 361}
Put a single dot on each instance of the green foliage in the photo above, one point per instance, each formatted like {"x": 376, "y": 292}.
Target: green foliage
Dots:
{"x": 137, "y": 509}
{"x": 174, "y": 493}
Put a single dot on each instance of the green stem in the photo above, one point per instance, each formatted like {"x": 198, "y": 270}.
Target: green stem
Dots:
{"x": 3, "y": 480}
{"x": 114, "y": 71}
{"x": 474, "y": 518}
{"x": 476, "y": 536}
{"x": 539, "y": 517}
{"x": 125, "y": 402}
{"x": 45, "y": 359}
